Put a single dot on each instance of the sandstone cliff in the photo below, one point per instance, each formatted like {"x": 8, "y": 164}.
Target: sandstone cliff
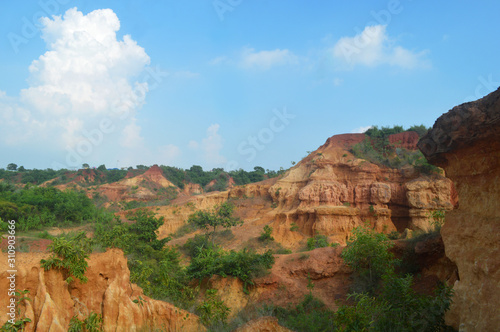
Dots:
{"x": 108, "y": 292}
{"x": 466, "y": 143}
{"x": 331, "y": 192}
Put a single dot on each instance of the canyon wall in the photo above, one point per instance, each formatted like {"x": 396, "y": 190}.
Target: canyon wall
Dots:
{"x": 108, "y": 292}
{"x": 330, "y": 192}
{"x": 466, "y": 143}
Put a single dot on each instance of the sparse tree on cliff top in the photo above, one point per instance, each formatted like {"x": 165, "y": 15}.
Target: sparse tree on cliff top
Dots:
{"x": 11, "y": 167}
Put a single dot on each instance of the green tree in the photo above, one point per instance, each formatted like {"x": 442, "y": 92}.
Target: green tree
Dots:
{"x": 259, "y": 169}
{"x": 11, "y": 167}
{"x": 421, "y": 130}
{"x": 102, "y": 168}
{"x": 146, "y": 227}
{"x": 69, "y": 254}
{"x": 85, "y": 165}
{"x": 367, "y": 253}
{"x": 21, "y": 169}
{"x": 220, "y": 216}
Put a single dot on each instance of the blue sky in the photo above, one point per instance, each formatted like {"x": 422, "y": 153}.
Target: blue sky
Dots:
{"x": 229, "y": 83}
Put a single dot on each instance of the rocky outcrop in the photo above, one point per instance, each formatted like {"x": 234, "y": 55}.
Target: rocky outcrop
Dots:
{"x": 331, "y": 192}
{"x": 466, "y": 143}
{"x": 288, "y": 279}
{"x": 147, "y": 186}
{"x": 176, "y": 216}
{"x": 286, "y": 283}
{"x": 108, "y": 292}
{"x": 407, "y": 140}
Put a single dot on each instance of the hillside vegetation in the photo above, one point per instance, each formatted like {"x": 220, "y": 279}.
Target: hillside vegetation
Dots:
{"x": 181, "y": 238}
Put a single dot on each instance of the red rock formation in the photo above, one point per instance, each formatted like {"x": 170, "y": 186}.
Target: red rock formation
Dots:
{"x": 330, "y": 192}
{"x": 286, "y": 284}
{"x": 407, "y": 140}
{"x": 140, "y": 187}
{"x": 108, "y": 292}
{"x": 466, "y": 143}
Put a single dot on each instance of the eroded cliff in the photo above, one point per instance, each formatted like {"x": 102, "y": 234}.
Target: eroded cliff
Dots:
{"x": 330, "y": 192}
{"x": 466, "y": 143}
{"x": 108, "y": 292}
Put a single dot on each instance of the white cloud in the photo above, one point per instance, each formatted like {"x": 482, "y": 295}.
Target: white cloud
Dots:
{"x": 218, "y": 60}
{"x": 193, "y": 145}
{"x": 373, "y": 47}
{"x": 186, "y": 74}
{"x": 169, "y": 154}
{"x": 360, "y": 130}
{"x": 131, "y": 136}
{"x": 86, "y": 75}
{"x": 266, "y": 59}
{"x": 210, "y": 147}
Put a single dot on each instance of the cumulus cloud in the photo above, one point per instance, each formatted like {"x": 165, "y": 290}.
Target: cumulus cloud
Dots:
{"x": 267, "y": 59}
{"x": 249, "y": 58}
{"x": 373, "y": 47}
{"x": 131, "y": 135}
{"x": 169, "y": 154}
{"x": 210, "y": 147}
{"x": 87, "y": 76}
{"x": 218, "y": 60}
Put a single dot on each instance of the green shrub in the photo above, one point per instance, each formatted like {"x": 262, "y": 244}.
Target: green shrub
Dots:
{"x": 156, "y": 268}
{"x": 146, "y": 227}
{"x": 437, "y": 217}
{"x": 394, "y": 235}
{"x": 317, "y": 241}
{"x": 38, "y": 207}
{"x": 266, "y": 234}
{"x": 195, "y": 245}
{"x": 93, "y": 323}
{"x": 70, "y": 255}
{"x": 294, "y": 227}
{"x": 19, "y": 324}
{"x": 396, "y": 308}
{"x": 244, "y": 264}
{"x": 368, "y": 255}
{"x": 310, "y": 315}
{"x": 212, "y": 311}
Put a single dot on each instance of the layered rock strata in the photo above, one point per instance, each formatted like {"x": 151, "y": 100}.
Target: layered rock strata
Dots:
{"x": 466, "y": 143}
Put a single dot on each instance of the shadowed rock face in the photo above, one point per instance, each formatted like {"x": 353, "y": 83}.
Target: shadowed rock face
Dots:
{"x": 465, "y": 125}
{"x": 466, "y": 143}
